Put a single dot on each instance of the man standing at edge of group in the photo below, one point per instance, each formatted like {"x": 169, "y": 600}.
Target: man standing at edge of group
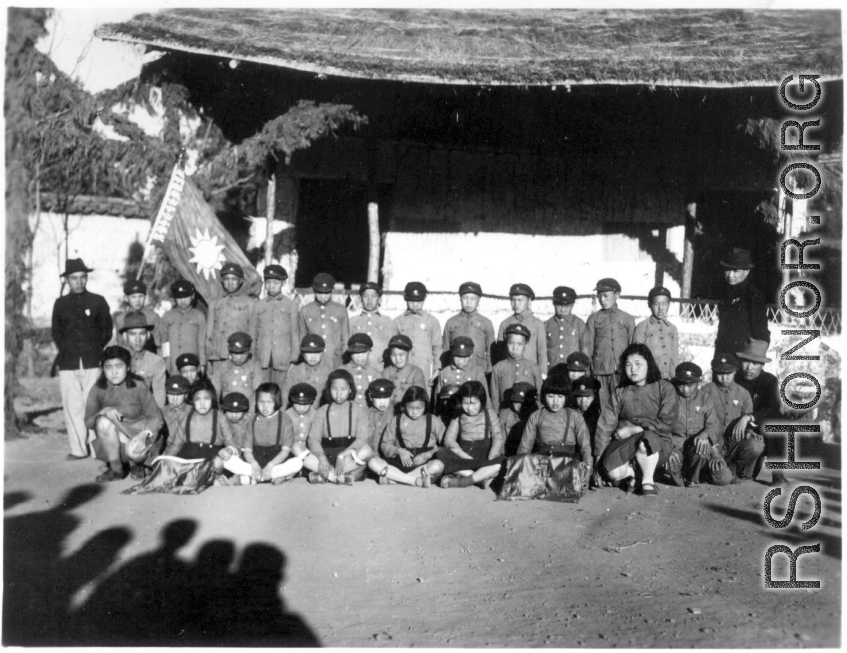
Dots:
{"x": 742, "y": 313}
{"x": 81, "y": 326}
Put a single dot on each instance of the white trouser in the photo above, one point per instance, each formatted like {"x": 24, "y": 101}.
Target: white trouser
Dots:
{"x": 75, "y": 386}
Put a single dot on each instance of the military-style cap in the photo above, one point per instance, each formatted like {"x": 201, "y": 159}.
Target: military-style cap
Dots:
{"x": 136, "y": 320}
{"x": 521, "y": 289}
{"x": 182, "y": 288}
{"x": 312, "y": 343}
{"x": 401, "y": 342}
{"x": 239, "y": 342}
{"x": 659, "y": 291}
{"x": 470, "y": 287}
{"x": 134, "y": 286}
{"x": 381, "y": 389}
{"x": 564, "y": 295}
{"x": 323, "y": 282}
{"x": 177, "y": 385}
{"x": 232, "y": 268}
{"x": 461, "y": 346}
{"x": 578, "y": 362}
{"x": 725, "y": 363}
{"x": 359, "y": 342}
{"x": 523, "y": 392}
{"x": 585, "y": 387}
{"x": 370, "y": 285}
{"x": 302, "y": 393}
{"x": 447, "y": 391}
{"x": 415, "y": 291}
{"x": 519, "y": 329}
{"x": 604, "y": 285}
{"x": 275, "y": 272}
{"x": 688, "y": 373}
{"x": 235, "y": 402}
{"x": 187, "y": 359}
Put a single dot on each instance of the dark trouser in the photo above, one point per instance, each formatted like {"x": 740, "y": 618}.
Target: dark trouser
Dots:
{"x": 695, "y": 465}
{"x": 741, "y": 457}
{"x": 275, "y": 376}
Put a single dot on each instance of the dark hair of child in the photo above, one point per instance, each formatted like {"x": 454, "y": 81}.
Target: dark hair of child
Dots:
{"x": 415, "y": 393}
{"x": 203, "y": 384}
{"x": 341, "y": 374}
{"x": 472, "y": 389}
{"x": 122, "y": 354}
{"x": 639, "y": 349}
{"x": 555, "y": 384}
{"x": 272, "y": 389}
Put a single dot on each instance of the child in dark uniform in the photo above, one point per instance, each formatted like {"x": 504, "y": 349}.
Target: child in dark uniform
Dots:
{"x": 585, "y": 397}
{"x": 302, "y": 413}
{"x": 381, "y": 409}
{"x": 188, "y": 365}
{"x": 446, "y": 405}
{"x": 177, "y": 409}
{"x": 522, "y": 403}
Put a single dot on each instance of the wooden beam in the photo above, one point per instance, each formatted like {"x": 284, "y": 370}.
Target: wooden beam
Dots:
{"x": 271, "y": 210}
{"x": 688, "y": 251}
{"x": 373, "y": 231}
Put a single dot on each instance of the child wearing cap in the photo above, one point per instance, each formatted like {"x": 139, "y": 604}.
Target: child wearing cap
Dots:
{"x": 514, "y": 368}
{"x": 401, "y": 372}
{"x": 697, "y": 436}
{"x": 381, "y": 410}
{"x": 658, "y": 333}
{"x": 463, "y": 366}
{"x": 188, "y": 365}
{"x": 301, "y": 411}
{"x": 359, "y": 347}
{"x": 314, "y": 368}
{"x": 422, "y": 328}
{"x": 135, "y": 295}
{"x": 740, "y": 447}
{"x": 236, "y": 408}
{"x": 326, "y": 318}
{"x": 577, "y": 366}
{"x": 177, "y": 409}
{"x": 585, "y": 398}
{"x": 183, "y": 327}
{"x": 234, "y": 312}
{"x": 521, "y": 296}
{"x": 277, "y": 328}
{"x": 148, "y": 366}
{"x": 445, "y": 403}
{"x": 610, "y": 331}
{"x": 522, "y": 403}
{"x": 241, "y": 373}
{"x": 565, "y": 332}
{"x": 471, "y": 324}
{"x": 379, "y": 327}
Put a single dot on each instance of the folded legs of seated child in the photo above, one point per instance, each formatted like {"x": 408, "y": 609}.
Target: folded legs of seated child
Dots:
{"x": 282, "y": 468}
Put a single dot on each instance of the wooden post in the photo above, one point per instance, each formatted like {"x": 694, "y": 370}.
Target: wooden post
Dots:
{"x": 271, "y": 209}
{"x": 373, "y": 231}
{"x": 688, "y": 251}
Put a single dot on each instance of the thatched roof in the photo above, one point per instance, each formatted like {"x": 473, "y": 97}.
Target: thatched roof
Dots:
{"x": 510, "y": 47}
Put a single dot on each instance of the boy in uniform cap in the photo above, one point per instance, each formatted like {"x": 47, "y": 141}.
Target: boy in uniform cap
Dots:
{"x": 241, "y": 373}
{"x": 462, "y": 368}
{"x": 743, "y": 312}
{"x": 302, "y": 411}
{"x": 522, "y": 402}
{"x": 697, "y": 433}
{"x": 135, "y": 334}
{"x": 578, "y": 366}
{"x": 381, "y": 410}
{"x": 422, "y": 328}
{"x": 277, "y": 328}
{"x": 237, "y": 409}
{"x": 610, "y": 331}
{"x": 658, "y": 333}
{"x": 183, "y": 327}
{"x": 235, "y": 312}
{"x": 314, "y": 369}
{"x": 401, "y": 372}
{"x": 135, "y": 294}
{"x": 326, "y": 318}
{"x": 468, "y": 322}
{"x": 188, "y": 365}
{"x": 379, "y": 327}
{"x": 521, "y": 297}
{"x": 565, "y": 331}
{"x": 359, "y": 345}
{"x": 513, "y": 369}
{"x": 446, "y": 403}
{"x": 177, "y": 409}
{"x": 585, "y": 398}
{"x": 739, "y": 450}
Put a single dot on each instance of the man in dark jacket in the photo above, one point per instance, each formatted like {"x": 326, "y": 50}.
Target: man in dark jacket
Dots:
{"x": 743, "y": 313}
{"x": 82, "y": 325}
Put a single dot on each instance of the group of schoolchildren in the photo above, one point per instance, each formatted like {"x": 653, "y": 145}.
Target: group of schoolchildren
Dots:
{"x": 268, "y": 392}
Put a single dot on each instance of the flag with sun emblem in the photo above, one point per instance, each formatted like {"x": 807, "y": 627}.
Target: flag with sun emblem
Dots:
{"x": 195, "y": 241}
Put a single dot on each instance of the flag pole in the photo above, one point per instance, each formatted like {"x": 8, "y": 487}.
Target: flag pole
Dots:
{"x": 165, "y": 210}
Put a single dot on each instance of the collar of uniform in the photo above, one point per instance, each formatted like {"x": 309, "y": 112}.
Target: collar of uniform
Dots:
{"x": 614, "y": 309}
{"x": 515, "y": 361}
{"x": 365, "y": 313}
{"x": 139, "y": 355}
{"x": 408, "y": 312}
{"x": 567, "y": 318}
{"x": 277, "y": 297}
{"x": 522, "y": 316}
{"x": 467, "y": 315}
{"x": 659, "y": 320}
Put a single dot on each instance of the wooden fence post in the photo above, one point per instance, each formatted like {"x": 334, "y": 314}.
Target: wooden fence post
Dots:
{"x": 373, "y": 231}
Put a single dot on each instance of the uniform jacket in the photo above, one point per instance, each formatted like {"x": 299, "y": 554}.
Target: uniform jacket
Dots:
{"x": 695, "y": 415}
{"x": 331, "y": 323}
{"x": 175, "y": 418}
{"x": 185, "y": 330}
{"x": 453, "y": 375}
{"x": 536, "y": 348}
{"x": 227, "y": 315}
{"x": 277, "y": 332}
{"x": 609, "y": 332}
{"x": 81, "y": 328}
{"x": 380, "y": 328}
{"x": 301, "y": 424}
{"x": 476, "y": 327}
{"x": 730, "y": 403}
{"x": 565, "y": 336}
{"x": 508, "y": 372}
{"x": 425, "y": 333}
{"x": 303, "y": 373}
{"x": 663, "y": 340}
{"x": 229, "y": 377}
{"x": 152, "y": 369}
{"x": 362, "y": 377}
{"x": 403, "y": 379}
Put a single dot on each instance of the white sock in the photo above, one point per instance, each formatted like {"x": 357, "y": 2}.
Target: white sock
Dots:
{"x": 648, "y": 466}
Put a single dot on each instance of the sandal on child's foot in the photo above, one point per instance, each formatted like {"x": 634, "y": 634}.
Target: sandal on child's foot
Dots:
{"x": 383, "y": 478}
{"x": 452, "y": 480}
{"x": 136, "y": 472}
{"x": 109, "y": 475}
{"x": 426, "y": 481}
{"x": 315, "y": 477}
{"x": 649, "y": 490}
{"x": 629, "y": 485}
{"x": 347, "y": 479}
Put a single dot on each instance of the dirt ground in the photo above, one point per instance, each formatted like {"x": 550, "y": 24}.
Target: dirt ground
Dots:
{"x": 395, "y": 566}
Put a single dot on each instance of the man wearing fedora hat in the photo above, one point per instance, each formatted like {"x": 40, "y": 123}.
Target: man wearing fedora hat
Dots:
{"x": 81, "y": 326}
{"x": 742, "y": 313}
{"x": 135, "y": 334}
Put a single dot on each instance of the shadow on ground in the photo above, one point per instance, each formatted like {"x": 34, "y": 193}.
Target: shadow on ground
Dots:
{"x": 154, "y": 599}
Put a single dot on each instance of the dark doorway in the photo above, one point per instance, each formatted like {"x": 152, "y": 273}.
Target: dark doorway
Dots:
{"x": 332, "y": 229}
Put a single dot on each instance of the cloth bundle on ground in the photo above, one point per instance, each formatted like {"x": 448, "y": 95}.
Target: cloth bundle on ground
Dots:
{"x": 172, "y": 475}
{"x": 552, "y": 478}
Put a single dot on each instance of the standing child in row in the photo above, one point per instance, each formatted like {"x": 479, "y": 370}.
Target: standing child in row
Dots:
{"x": 326, "y": 318}
{"x": 521, "y": 296}
{"x": 471, "y": 324}
{"x": 314, "y": 369}
{"x": 150, "y": 367}
{"x": 513, "y": 369}
{"x": 462, "y": 367}
{"x": 359, "y": 347}
{"x": 401, "y": 372}
{"x": 235, "y": 312}
{"x": 302, "y": 411}
{"x": 241, "y": 373}
{"x": 565, "y": 331}
{"x": 610, "y": 331}
{"x": 277, "y": 328}
{"x": 135, "y": 295}
{"x": 379, "y": 327}
{"x": 422, "y": 329}
{"x": 183, "y": 327}
{"x": 658, "y": 333}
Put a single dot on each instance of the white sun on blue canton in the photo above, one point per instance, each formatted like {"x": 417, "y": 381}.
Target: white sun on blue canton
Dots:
{"x": 208, "y": 255}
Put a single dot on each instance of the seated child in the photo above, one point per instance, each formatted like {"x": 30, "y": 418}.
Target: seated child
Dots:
{"x": 236, "y": 408}
{"x": 462, "y": 366}
{"x": 401, "y": 373}
{"x": 522, "y": 403}
{"x": 446, "y": 404}
{"x": 177, "y": 409}
{"x": 188, "y": 365}
{"x": 381, "y": 409}
{"x": 338, "y": 439}
{"x": 149, "y": 367}
{"x": 314, "y": 369}
{"x": 359, "y": 346}
{"x": 124, "y": 416}
{"x": 241, "y": 372}
{"x": 409, "y": 442}
{"x": 585, "y": 397}
{"x": 472, "y": 451}
{"x": 302, "y": 412}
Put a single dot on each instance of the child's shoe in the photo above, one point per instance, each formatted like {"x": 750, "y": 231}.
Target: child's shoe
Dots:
{"x": 315, "y": 477}
{"x": 347, "y": 479}
{"x": 136, "y": 471}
